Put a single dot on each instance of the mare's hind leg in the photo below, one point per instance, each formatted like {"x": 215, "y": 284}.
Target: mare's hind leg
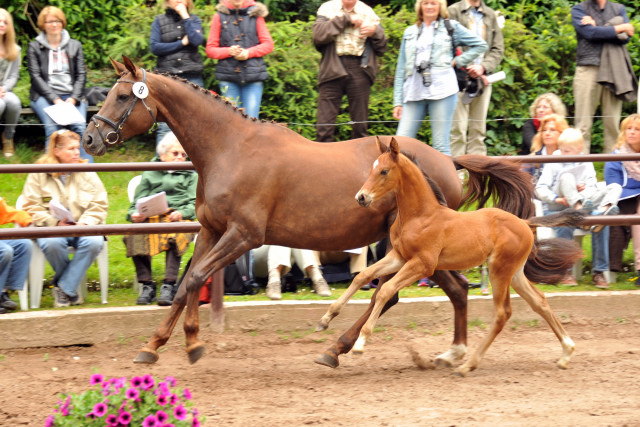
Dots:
{"x": 456, "y": 289}
{"x": 537, "y": 301}
{"x": 387, "y": 265}
{"x": 502, "y": 312}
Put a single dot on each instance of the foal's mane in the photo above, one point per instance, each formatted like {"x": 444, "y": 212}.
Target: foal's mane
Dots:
{"x": 437, "y": 191}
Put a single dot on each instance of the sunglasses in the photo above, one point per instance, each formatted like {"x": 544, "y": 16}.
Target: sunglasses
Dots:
{"x": 179, "y": 153}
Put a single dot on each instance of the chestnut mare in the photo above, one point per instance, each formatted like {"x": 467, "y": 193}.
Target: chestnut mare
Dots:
{"x": 427, "y": 236}
{"x": 261, "y": 183}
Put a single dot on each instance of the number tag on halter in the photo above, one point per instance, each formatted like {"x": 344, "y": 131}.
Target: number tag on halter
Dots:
{"x": 140, "y": 90}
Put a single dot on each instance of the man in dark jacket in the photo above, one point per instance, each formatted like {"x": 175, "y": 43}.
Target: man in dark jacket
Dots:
{"x": 592, "y": 20}
{"x": 349, "y": 36}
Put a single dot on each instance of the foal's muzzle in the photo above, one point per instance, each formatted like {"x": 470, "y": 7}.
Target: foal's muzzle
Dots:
{"x": 364, "y": 199}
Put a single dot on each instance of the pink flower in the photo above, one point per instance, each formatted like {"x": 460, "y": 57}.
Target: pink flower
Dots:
{"x": 172, "y": 381}
{"x": 195, "y": 422}
{"x": 112, "y": 420}
{"x": 148, "y": 382}
{"x": 173, "y": 399}
{"x": 179, "y": 412}
{"x": 161, "y": 400}
{"x": 96, "y": 379}
{"x": 150, "y": 421}
{"x": 124, "y": 418}
{"x": 187, "y": 394}
{"x": 100, "y": 409}
{"x": 49, "y": 421}
{"x": 132, "y": 393}
{"x": 162, "y": 416}
{"x": 136, "y": 381}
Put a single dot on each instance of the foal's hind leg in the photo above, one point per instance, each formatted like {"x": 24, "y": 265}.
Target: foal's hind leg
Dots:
{"x": 537, "y": 301}
{"x": 456, "y": 289}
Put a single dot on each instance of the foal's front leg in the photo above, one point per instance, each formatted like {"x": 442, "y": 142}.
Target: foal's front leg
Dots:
{"x": 412, "y": 271}
{"x": 391, "y": 263}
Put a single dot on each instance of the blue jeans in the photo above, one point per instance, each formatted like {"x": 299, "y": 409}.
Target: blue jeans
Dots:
{"x": 15, "y": 256}
{"x": 441, "y": 115}
{"x": 10, "y": 106}
{"x": 69, "y": 273}
{"x": 163, "y": 128}
{"x": 247, "y": 96}
{"x": 50, "y": 126}
{"x": 599, "y": 246}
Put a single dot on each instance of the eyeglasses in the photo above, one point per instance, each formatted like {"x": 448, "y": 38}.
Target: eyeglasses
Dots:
{"x": 179, "y": 153}
{"x": 58, "y": 22}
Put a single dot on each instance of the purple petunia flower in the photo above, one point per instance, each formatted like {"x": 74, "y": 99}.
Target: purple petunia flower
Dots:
{"x": 112, "y": 420}
{"x": 136, "y": 381}
{"x": 162, "y": 416}
{"x": 96, "y": 379}
{"x": 132, "y": 393}
{"x": 124, "y": 418}
{"x": 173, "y": 399}
{"x": 148, "y": 382}
{"x": 161, "y": 400}
{"x": 100, "y": 409}
{"x": 187, "y": 394}
{"x": 150, "y": 421}
{"x": 180, "y": 412}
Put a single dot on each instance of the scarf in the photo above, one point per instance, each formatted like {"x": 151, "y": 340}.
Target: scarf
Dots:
{"x": 631, "y": 166}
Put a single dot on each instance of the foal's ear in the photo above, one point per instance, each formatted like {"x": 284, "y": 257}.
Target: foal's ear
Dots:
{"x": 394, "y": 149}
{"x": 117, "y": 66}
{"x": 129, "y": 65}
{"x": 383, "y": 148}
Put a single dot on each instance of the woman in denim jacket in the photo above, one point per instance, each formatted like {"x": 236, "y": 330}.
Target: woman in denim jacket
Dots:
{"x": 425, "y": 78}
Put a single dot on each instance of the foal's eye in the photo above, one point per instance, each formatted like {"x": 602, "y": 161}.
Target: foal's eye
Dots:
{"x": 123, "y": 97}
{"x": 384, "y": 172}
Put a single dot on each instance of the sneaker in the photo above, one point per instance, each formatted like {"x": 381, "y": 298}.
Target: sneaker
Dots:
{"x": 424, "y": 282}
{"x": 569, "y": 280}
{"x": 600, "y": 281}
{"x": 167, "y": 292}
{"x": 6, "y": 302}
{"x": 612, "y": 210}
{"x": 3, "y": 310}
{"x": 148, "y": 293}
{"x": 322, "y": 288}
{"x": 77, "y": 300}
{"x": 60, "y": 299}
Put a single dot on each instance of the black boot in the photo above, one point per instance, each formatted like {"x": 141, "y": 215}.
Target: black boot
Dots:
{"x": 167, "y": 292}
{"x": 148, "y": 293}
{"x": 6, "y": 302}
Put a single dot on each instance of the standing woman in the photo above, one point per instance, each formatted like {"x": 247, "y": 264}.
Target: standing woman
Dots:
{"x": 9, "y": 72}
{"x": 425, "y": 78}
{"x": 57, "y": 71}
{"x": 175, "y": 38}
{"x": 239, "y": 39}
{"x": 84, "y": 195}
{"x": 627, "y": 174}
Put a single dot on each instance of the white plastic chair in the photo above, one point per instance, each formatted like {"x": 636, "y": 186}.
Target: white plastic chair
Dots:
{"x": 39, "y": 262}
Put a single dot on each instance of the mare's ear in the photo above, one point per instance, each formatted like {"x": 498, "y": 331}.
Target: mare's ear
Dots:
{"x": 383, "y": 148}
{"x": 129, "y": 65}
{"x": 117, "y": 66}
{"x": 395, "y": 150}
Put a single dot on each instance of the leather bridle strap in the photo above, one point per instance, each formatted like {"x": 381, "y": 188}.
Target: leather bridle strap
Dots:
{"x": 115, "y": 136}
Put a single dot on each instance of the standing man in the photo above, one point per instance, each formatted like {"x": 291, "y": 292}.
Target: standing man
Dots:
{"x": 599, "y": 25}
{"x": 469, "y": 127}
{"x": 349, "y": 36}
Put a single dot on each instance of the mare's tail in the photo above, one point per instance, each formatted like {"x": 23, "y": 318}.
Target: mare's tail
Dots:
{"x": 551, "y": 258}
{"x": 502, "y": 180}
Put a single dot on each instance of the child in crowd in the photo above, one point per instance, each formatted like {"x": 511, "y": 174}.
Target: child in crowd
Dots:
{"x": 574, "y": 185}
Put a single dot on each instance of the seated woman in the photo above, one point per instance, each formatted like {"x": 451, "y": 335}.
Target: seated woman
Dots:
{"x": 15, "y": 256}
{"x": 545, "y": 142}
{"x": 10, "y": 104}
{"x": 543, "y": 105}
{"x": 627, "y": 174}
{"x": 276, "y": 261}
{"x": 84, "y": 196}
{"x": 57, "y": 71}
{"x": 180, "y": 190}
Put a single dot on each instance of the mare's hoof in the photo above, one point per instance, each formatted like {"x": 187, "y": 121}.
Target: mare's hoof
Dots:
{"x": 321, "y": 327}
{"x": 327, "y": 360}
{"x": 195, "y": 352}
{"x": 443, "y": 363}
{"x": 147, "y": 356}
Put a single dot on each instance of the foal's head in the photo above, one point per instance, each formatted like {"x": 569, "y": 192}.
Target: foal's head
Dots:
{"x": 383, "y": 176}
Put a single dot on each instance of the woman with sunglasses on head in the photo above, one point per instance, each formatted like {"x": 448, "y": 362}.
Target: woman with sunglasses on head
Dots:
{"x": 180, "y": 189}
{"x": 58, "y": 73}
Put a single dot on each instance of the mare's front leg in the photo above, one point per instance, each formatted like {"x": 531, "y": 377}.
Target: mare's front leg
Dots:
{"x": 456, "y": 289}
{"x": 391, "y": 263}
{"x": 413, "y": 270}
{"x": 149, "y": 353}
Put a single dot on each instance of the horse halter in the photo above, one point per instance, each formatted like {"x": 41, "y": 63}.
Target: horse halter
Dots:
{"x": 115, "y": 136}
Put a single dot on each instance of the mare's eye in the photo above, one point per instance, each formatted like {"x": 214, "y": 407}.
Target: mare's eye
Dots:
{"x": 123, "y": 97}
{"x": 384, "y": 172}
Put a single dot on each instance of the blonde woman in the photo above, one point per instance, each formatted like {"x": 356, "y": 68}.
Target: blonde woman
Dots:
{"x": 84, "y": 196}
{"x": 545, "y": 142}
{"x": 9, "y": 72}
{"x": 543, "y": 105}
{"x": 627, "y": 174}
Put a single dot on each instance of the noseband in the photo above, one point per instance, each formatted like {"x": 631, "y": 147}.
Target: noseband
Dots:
{"x": 115, "y": 136}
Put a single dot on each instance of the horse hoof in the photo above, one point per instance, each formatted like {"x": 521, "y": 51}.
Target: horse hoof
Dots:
{"x": 443, "y": 363}
{"x": 195, "y": 353}
{"x": 326, "y": 360}
{"x": 321, "y": 327}
{"x": 147, "y": 356}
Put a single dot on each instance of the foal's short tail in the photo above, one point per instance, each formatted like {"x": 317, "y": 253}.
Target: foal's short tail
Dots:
{"x": 502, "y": 180}
{"x": 551, "y": 258}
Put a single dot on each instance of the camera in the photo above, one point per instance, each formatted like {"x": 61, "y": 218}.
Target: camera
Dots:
{"x": 424, "y": 68}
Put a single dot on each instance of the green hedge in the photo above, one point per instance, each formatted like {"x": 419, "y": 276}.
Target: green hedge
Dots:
{"x": 539, "y": 57}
